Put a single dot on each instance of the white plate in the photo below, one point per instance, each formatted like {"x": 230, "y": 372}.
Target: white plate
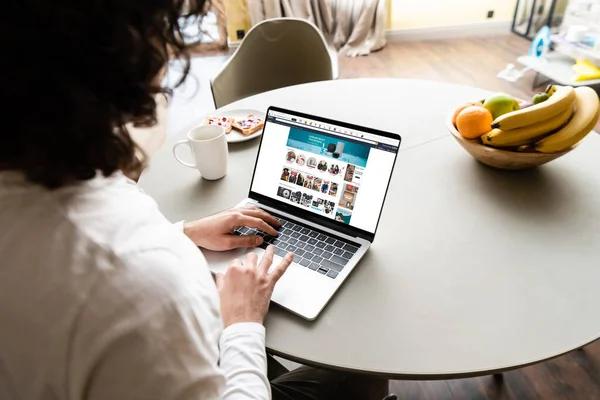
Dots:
{"x": 234, "y": 136}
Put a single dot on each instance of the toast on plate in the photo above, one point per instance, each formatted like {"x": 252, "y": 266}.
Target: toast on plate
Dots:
{"x": 225, "y": 122}
{"x": 249, "y": 125}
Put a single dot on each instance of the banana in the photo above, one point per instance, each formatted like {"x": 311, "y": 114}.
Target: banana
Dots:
{"x": 587, "y": 111}
{"x": 557, "y": 103}
{"x": 528, "y": 134}
{"x": 526, "y": 148}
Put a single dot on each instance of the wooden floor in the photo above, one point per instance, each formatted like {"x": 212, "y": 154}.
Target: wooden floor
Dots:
{"x": 476, "y": 62}
{"x": 473, "y": 62}
{"x": 575, "y": 376}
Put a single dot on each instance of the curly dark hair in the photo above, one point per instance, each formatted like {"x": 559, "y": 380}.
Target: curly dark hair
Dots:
{"x": 78, "y": 71}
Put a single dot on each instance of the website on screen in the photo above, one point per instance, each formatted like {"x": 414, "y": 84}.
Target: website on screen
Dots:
{"x": 330, "y": 170}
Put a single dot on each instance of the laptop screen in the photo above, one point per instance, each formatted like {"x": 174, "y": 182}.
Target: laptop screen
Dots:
{"x": 333, "y": 171}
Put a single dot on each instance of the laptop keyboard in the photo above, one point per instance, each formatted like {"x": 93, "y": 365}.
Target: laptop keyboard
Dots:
{"x": 314, "y": 250}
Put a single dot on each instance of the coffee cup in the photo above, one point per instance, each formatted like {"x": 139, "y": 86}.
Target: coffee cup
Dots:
{"x": 208, "y": 144}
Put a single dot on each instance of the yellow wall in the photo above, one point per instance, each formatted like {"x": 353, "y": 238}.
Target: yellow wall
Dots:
{"x": 422, "y": 13}
{"x": 404, "y": 13}
{"x": 237, "y": 17}
{"x": 561, "y": 6}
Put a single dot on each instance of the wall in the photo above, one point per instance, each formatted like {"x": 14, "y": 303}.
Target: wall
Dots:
{"x": 405, "y": 13}
{"x": 237, "y": 17}
{"x": 424, "y": 13}
{"x": 561, "y": 5}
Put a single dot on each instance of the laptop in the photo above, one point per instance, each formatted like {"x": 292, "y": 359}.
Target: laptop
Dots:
{"x": 326, "y": 182}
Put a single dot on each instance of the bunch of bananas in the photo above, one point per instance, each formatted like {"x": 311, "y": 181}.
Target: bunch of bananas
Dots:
{"x": 549, "y": 127}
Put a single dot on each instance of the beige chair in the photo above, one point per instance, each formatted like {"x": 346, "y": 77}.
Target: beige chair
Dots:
{"x": 275, "y": 53}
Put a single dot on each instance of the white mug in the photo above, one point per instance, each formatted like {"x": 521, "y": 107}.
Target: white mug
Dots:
{"x": 209, "y": 148}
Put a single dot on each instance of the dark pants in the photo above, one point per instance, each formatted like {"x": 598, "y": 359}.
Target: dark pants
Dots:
{"x": 307, "y": 383}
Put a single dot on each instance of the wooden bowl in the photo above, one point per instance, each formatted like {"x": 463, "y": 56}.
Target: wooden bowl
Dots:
{"x": 503, "y": 159}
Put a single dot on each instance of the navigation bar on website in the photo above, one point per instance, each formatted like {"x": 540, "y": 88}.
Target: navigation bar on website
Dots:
{"x": 336, "y": 129}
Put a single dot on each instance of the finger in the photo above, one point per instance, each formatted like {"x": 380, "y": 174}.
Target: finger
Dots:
{"x": 238, "y": 242}
{"x": 219, "y": 280}
{"x": 281, "y": 268}
{"x": 262, "y": 214}
{"x": 251, "y": 260}
{"x": 257, "y": 223}
{"x": 235, "y": 263}
{"x": 267, "y": 260}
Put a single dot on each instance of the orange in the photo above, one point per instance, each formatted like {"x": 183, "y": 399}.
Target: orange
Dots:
{"x": 459, "y": 109}
{"x": 474, "y": 121}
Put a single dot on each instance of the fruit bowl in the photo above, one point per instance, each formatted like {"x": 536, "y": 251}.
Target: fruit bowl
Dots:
{"x": 502, "y": 159}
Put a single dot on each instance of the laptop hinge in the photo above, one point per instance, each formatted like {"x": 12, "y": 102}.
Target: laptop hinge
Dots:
{"x": 313, "y": 218}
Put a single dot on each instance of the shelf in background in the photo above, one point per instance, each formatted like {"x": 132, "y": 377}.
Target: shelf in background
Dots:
{"x": 557, "y": 67}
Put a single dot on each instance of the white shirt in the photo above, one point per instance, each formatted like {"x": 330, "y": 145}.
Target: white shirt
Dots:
{"x": 101, "y": 298}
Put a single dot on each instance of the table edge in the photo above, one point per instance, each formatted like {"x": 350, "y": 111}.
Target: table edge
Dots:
{"x": 424, "y": 376}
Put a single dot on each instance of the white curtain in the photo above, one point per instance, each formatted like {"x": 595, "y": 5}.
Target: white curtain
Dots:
{"x": 355, "y": 27}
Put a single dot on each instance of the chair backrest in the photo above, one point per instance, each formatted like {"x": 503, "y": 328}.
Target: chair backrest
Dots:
{"x": 275, "y": 53}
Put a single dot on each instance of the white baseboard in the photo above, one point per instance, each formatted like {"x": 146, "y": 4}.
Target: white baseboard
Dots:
{"x": 485, "y": 28}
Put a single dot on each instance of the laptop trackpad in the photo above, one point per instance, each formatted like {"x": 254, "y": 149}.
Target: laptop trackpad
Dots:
{"x": 300, "y": 290}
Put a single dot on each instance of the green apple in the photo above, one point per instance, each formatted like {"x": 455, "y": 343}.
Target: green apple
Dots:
{"x": 500, "y": 104}
{"x": 540, "y": 98}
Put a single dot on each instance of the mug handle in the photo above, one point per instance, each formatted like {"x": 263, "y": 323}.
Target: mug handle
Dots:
{"x": 187, "y": 164}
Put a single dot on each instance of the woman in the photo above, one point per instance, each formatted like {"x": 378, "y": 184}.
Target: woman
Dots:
{"x": 100, "y": 296}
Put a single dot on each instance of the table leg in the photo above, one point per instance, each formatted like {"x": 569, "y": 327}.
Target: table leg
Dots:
{"x": 537, "y": 82}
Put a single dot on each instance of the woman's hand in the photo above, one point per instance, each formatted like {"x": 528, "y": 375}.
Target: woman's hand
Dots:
{"x": 216, "y": 232}
{"x": 246, "y": 288}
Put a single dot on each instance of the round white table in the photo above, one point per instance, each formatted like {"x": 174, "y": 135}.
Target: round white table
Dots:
{"x": 473, "y": 270}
